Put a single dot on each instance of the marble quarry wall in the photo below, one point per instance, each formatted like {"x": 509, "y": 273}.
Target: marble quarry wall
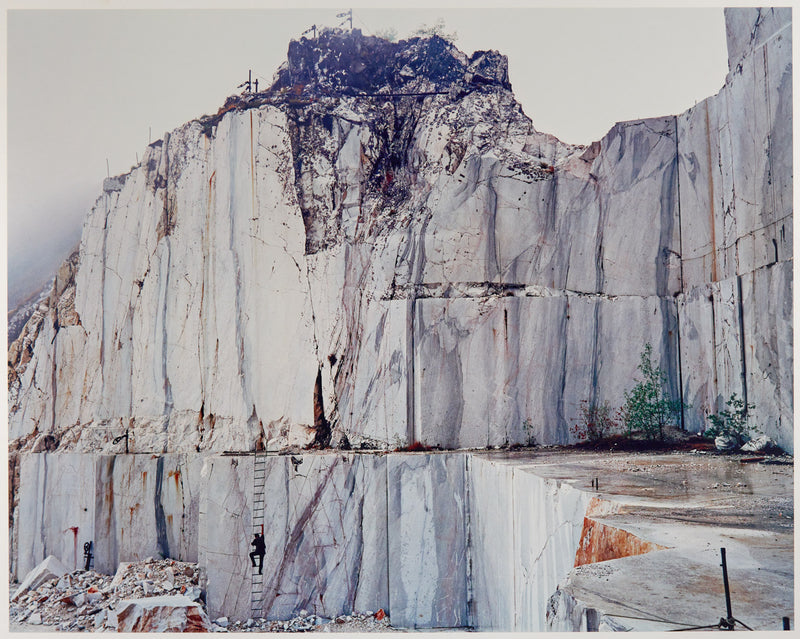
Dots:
{"x": 735, "y": 174}
{"x": 130, "y": 506}
{"x": 433, "y": 270}
{"x": 489, "y": 540}
{"x": 436, "y": 540}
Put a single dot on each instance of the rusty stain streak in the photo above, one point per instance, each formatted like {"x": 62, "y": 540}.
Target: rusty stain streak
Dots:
{"x": 176, "y": 476}
{"x": 74, "y": 530}
{"x": 600, "y": 542}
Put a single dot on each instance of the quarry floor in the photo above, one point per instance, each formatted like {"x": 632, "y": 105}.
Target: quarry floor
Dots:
{"x": 692, "y": 503}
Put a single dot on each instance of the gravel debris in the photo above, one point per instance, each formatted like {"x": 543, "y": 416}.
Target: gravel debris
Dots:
{"x": 84, "y": 601}
{"x": 81, "y": 600}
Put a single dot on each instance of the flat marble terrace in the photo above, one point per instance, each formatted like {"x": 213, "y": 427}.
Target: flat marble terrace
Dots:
{"x": 673, "y": 513}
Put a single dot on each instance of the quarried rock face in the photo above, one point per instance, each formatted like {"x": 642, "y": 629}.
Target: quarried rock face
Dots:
{"x": 383, "y": 245}
{"x": 735, "y": 174}
{"x": 492, "y": 540}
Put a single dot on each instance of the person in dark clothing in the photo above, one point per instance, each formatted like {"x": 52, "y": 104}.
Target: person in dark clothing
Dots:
{"x": 261, "y": 550}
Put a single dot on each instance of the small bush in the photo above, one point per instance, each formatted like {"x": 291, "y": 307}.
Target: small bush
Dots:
{"x": 647, "y": 407}
{"x": 596, "y": 422}
{"x": 389, "y": 34}
{"x": 417, "y": 446}
{"x": 530, "y": 438}
{"x": 436, "y": 29}
{"x": 732, "y": 421}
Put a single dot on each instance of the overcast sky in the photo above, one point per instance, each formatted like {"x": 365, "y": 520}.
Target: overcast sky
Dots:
{"x": 90, "y": 86}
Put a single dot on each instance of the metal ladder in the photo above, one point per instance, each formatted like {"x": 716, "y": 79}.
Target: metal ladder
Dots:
{"x": 257, "y": 581}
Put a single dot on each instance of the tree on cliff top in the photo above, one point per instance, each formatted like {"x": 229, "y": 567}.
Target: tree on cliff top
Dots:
{"x": 436, "y": 29}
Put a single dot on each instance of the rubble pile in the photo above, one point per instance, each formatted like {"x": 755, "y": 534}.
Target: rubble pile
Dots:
{"x": 87, "y": 600}
{"x": 355, "y": 622}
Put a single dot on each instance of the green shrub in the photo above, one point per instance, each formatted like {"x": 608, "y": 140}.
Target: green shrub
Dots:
{"x": 595, "y": 422}
{"x": 436, "y": 29}
{"x": 389, "y": 34}
{"x": 648, "y": 408}
{"x": 732, "y": 421}
{"x": 530, "y": 438}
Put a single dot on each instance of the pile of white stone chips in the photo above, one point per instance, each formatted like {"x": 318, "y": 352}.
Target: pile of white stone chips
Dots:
{"x": 86, "y": 600}
{"x": 355, "y": 622}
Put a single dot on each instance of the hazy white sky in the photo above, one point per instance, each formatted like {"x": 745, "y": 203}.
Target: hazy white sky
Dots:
{"x": 86, "y": 86}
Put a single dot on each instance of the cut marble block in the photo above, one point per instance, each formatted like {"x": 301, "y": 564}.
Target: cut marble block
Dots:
{"x": 748, "y": 28}
{"x": 768, "y": 343}
{"x": 701, "y": 183}
{"x": 372, "y": 375}
{"x": 466, "y": 367}
{"x": 56, "y": 509}
{"x": 493, "y": 528}
{"x": 780, "y": 96}
{"x": 427, "y": 540}
{"x": 180, "y": 493}
{"x": 524, "y": 532}
{"x": 605, "y": 338}
{"x": 548, "y": 519}
{"x": 505, "y": 370}
{"x": 736, "y": 170}
{"x": 727, "y": 339}
{"x": 698, "y": 363}
{"x": 637, "y": 174}
{"x": 146, "y": 507}
{"x": 225, "y": 533}
{"x": 326, "y": 535}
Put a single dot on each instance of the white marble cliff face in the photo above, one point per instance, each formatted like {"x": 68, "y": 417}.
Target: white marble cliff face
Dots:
{"x": 452, "y": 275}
{"x": 524, "y": 532}
{"x": 735, "y": 173}
{"x": 130, "y": 506}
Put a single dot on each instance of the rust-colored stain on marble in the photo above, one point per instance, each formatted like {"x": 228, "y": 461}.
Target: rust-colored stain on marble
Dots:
{"x": 600, "y": 542}
{"x": 176, "y": 475}
{"x": 599, "y": 507}
{"x": 133, "y": 510}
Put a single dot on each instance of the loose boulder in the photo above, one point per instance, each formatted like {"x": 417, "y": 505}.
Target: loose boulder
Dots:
{"x": 762, "y": 444}
{"x": 122, "y": 572}
{"x": 170, "y": 613}
{"x": 726, "y": 443}
{"x": 50, "y": 568}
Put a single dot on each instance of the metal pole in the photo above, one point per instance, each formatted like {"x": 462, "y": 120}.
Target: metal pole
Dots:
{"x": 727, "y": 589}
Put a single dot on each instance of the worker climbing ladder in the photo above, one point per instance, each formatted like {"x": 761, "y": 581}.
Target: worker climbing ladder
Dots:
{"x": 257, "y": 580}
